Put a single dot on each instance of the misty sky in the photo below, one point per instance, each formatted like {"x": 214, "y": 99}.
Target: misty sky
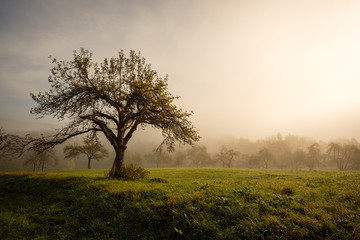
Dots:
{"x": 246, "y": 68}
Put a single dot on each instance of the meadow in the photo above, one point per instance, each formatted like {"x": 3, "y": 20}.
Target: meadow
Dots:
{"x": 181, "y": 204}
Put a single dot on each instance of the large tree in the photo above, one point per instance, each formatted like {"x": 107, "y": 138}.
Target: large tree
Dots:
{"x": 114, "y": 97}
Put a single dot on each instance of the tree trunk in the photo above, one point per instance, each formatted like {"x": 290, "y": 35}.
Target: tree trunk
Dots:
{"x": 89, "y": 163}
{"x": 118, "y": 163}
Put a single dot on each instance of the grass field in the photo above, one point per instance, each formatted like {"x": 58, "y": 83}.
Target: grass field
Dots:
{"x": 181, "y": 204}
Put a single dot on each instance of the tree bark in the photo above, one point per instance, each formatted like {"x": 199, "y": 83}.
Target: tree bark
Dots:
{"x": 118, "y": 163}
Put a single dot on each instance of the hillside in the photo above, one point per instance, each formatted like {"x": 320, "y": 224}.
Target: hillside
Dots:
{"x": 181, "y": 204}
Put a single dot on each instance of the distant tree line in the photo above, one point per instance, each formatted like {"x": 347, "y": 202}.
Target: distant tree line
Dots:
{"x": 276, "y": 152}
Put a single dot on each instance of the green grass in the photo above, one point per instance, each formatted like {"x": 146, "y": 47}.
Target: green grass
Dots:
{"x": 189, "y": 204}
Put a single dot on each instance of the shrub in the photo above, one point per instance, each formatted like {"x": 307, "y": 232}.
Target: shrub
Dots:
{"x": 158, "y": 180}
{"x": 287, "y": 191}
{"x": 130, "y": 172}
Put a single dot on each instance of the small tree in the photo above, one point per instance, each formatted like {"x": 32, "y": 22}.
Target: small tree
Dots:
{"x": 134, "y": 158}
{"x": 198, "y": 156}
{"x": 10, "y": 145}
{"x": 40, "y": 160}
{"x": 226, "y": 156}
{"x": 10, "y": 151}
{"x": 298, "y": 158}
{"x": 313, "y": 156}
{"x": 343, "y": 156}
{"x": 92, "y": 148}
{"x": 252, "y": 161}
{"x": 179, "y": 159}
{"x": 5, "y": 143}
{"x": 158, "y": 157}
{"x": 115, "y": 98}
{"x": 265, "y": 156}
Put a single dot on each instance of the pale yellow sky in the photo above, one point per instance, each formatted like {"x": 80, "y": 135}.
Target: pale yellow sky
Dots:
{"x": 247, "y": 68}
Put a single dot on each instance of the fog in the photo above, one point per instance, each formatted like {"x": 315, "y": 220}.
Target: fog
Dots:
{"x": 246, "y": 68}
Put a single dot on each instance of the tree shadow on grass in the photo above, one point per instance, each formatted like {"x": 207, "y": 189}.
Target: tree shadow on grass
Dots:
{"x": 34, "y": 206}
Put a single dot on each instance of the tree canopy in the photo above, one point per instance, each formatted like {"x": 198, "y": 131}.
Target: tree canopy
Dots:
{"x": 114, "y": 97}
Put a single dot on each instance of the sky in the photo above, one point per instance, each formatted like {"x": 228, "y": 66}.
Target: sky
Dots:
{"x": 246, "y": 68}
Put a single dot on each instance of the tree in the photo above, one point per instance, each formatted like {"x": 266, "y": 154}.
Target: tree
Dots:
{"x": 198, "y": 156}
{"x": 313, "y": 156}
{"x": 10, "y": 151}
{"x": 134, "y": 158}
{"x": 280, "y": 151}
{"x": 158, "y": 158}
{"x": 92, "y": 148}
{"x": 5, "y": 142}
{"x": 40, "y": 160}
{"x": 356, "y": 160}
{"x": 265, "y": 156}
{"x": 343, "y": 156}
{"x": 115, "y": 98}
{"x": 252, "y": 161}
{"x": 226, "y": 156}
{"x": 179, "y": 159}
{"x": 10, "y": 145}
{"x": 297, "y": 158}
